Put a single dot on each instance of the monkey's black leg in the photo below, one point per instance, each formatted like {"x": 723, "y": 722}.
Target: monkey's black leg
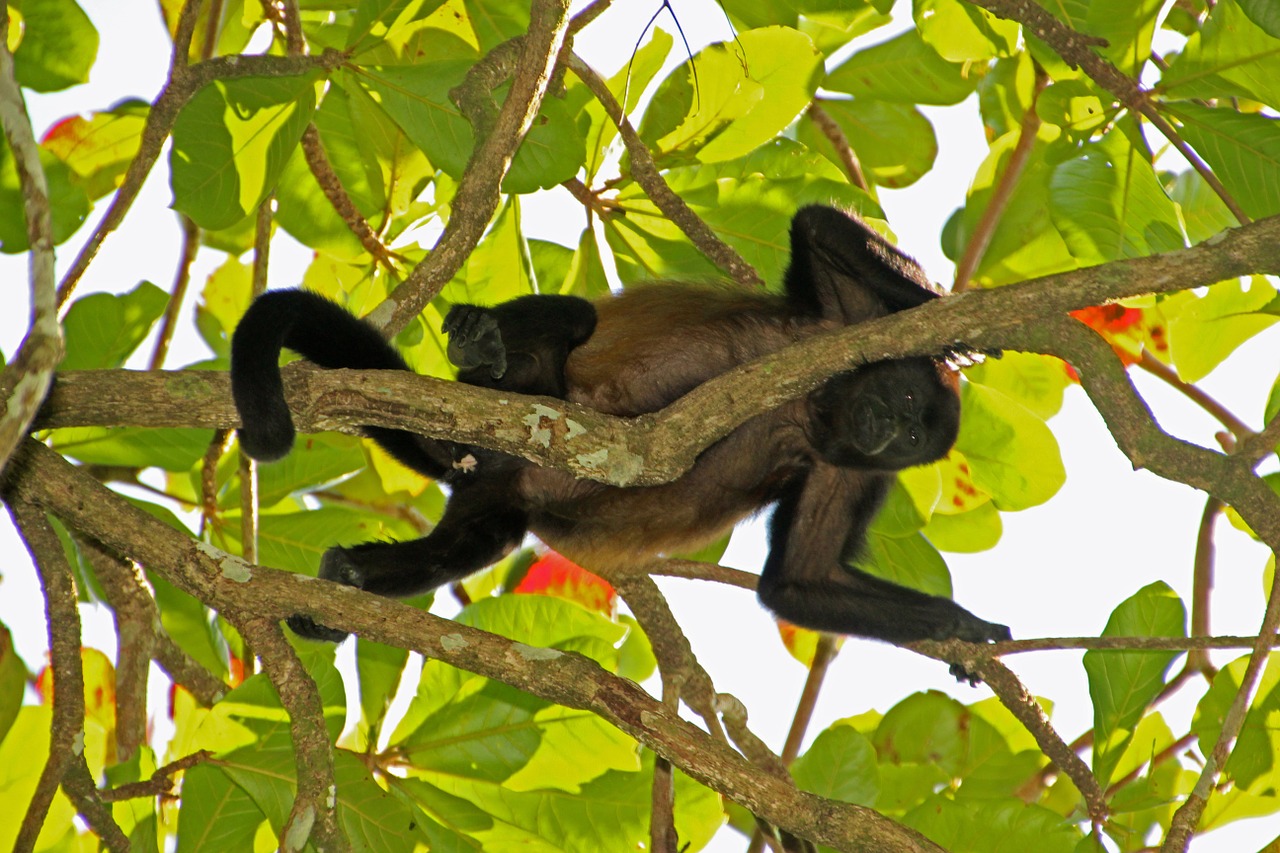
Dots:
{"x": 805, "y": 579}
{"x": 481, "y": 524}
{"x": 842, "y": 269}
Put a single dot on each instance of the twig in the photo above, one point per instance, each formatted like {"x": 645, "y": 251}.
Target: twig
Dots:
{"x": 646, "y": 173}
{"x": 66, "y": 737}
{"x": 181, "y": 280}
{"x": 980, "y": 240}
{"x": 835, "y": 135}
{"x": 1169, "y": 376}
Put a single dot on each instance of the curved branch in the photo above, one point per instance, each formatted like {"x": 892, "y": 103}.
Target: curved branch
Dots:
{"x": 478, "y": 191}
{"x": 40, "y": 476}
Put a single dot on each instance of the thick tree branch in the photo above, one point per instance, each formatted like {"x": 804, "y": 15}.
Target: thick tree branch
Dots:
{"x": 655, "y": 448}
{"x": 40, "y": 476}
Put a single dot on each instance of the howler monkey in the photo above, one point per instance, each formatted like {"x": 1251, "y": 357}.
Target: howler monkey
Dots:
{"x": 826, "y": 460}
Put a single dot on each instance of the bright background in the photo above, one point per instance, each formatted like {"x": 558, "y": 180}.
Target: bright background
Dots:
{"x": 1058, "y": 570}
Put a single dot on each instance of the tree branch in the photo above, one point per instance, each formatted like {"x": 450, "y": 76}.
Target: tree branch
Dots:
{"x": 40, "y": 476}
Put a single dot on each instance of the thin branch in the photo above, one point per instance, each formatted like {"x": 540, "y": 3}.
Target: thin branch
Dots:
{"x": 478, "y": 191}
{"x": 313, "y": 816}
{"x": 1169, "y": 376}
{"x": 66, "y": 736}
{"x": 646, "y": 174}
{"x": 835, "y": 135}
{"x": 181, "y": 280}
{"x": 980, "y": 240}
{"x": 80, "y": 788}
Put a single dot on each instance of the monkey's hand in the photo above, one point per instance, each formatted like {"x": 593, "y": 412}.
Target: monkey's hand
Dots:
{"x": 475, "y": 339}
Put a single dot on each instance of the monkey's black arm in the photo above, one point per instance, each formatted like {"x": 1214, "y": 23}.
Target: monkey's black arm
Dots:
{"x": 844, "y": 270}
{"x": 482, "y": 523}
{"x": 819, "y": 522}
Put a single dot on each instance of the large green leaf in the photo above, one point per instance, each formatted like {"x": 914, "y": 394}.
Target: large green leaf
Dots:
{"x": 1230, "y": 57}
{"x": 57, "y": 47}
{"x": 1206, "y": 330}
{"x": 68, "y": 202}
{"x": 1122, "y": 684}
{"x": 1252, "y": 765}
{"x": 103, "y": 329}
{"x": 1242, "y": 148}
{"x": 962, "y": 32}
{"x": 231, "y": 142}
{"x": 841, "y": 765}
{"x": 738, "y": 104}
{"x": 1000, "y": 824}
{"x": 894, "y": 143}
{"x": 906, "y": 70}
{"x": 1108, "y": 205}
{"x": 1013, "y": 454}
{"x": 100, "y": 146}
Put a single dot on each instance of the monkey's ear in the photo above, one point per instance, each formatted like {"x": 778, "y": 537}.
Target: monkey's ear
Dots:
{"x": 844, "y": 270}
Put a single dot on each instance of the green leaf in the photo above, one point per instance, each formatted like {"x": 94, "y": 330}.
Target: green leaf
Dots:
{"x": 295, "y": 541}
{"x": 960, "y": 32}
{"x": 1243, "y": 149}
{"x": 379, "y": 668}
{"x": 68, "y": 201}
{"x": 1026, "y": 244}
{"x": 909, "y": 561}
{"x": 1122, "y": 684}
{"x": 830, "y": 23}
{"x": 216, "y": 813}
{"x": 231, "y": 142}
{"x": 103, "y": 329}
{"x": 1001, "y": 824}
{"x": 13, "y": 680}
{"x": 1108, "y": 205}
{"x": 739, "y": 105}
{"x": 895, "y": 143}
{"x": 1263, "y": 13}
{"x": 133, "y": 447}
{"x": 749, "y": 203}
{"x": 499, "y": 268}
{"x": 1230, "y": 57}
{"x": 58, "y": 45}
{"x": 906, "y": 70}
{"x": 840, "y": 765}
{"x": 1208, "y": 329}
{"x": 1013, "y": 454}
{"x": 1252, "y": 765}
{"x": 99, "y": 147}
{"x": 979, "y": 529}
{"x": 1036, "y": 381}
{"x": 1203, "y": 212}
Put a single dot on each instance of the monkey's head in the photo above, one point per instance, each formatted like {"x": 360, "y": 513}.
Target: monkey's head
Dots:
{"x": 886, "y": 416}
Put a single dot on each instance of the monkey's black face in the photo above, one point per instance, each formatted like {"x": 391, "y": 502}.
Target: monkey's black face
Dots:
{"x": 886, "y": 416}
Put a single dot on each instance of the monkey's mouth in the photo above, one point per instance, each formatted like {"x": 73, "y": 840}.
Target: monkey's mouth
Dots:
{"x": 873, "y": 425}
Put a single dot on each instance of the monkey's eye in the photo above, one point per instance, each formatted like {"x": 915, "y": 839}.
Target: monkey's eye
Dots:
{"x": 913, "y": 437}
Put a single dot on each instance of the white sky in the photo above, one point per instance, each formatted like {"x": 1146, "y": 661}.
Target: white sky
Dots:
{"x": 1058, "y": 570}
